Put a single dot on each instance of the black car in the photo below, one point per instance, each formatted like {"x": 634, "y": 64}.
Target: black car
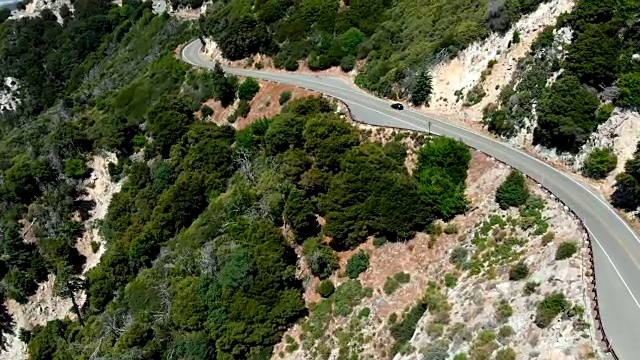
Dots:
{"x": 397, "y": 106}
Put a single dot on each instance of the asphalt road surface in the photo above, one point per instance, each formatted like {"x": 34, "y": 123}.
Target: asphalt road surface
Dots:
{"x": 616, "y": 246}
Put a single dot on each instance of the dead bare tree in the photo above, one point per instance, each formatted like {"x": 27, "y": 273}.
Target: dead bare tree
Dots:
{"x": 118, "y": 322}
{"x": 164, "y": 294}
{"x": 208, "y": 261}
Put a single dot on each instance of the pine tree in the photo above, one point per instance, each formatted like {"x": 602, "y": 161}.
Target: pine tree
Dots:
{"x": 421, "y": 88}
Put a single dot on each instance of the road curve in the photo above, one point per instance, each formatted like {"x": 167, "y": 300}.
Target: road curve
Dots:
{"x": 616, "y": 246}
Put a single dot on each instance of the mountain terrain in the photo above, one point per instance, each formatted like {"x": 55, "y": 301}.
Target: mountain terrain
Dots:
{"x": 156, "y": 211}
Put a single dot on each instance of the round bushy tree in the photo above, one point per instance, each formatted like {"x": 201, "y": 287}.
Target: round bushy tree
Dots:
{"x": 325, "y": 288}
{"x": 513, "y": 191}
{"x": 348, "y": 63}
{"x": 248, "y": 89}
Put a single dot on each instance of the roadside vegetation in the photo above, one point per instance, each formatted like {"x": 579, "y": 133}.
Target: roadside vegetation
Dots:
{"x": 398, "y": 40}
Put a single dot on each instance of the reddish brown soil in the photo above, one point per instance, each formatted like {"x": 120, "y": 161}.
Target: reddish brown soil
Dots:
{"x": 264, "y": 104}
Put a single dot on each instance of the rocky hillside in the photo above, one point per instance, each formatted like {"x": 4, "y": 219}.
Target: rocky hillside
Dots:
{"x": 47, "y": 304}
{"x": 485, "y": 277}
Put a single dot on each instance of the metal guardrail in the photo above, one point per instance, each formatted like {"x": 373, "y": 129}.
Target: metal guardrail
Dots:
{"x": 594, "y": 297}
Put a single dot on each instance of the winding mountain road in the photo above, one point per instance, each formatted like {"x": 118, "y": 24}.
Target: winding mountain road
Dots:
{"x": 616, "y": 246}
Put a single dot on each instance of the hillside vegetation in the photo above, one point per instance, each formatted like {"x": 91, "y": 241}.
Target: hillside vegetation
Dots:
{"x": 598, "y": 68}
{"x": 196, "y": 264}
{"x": 397, "y": 39}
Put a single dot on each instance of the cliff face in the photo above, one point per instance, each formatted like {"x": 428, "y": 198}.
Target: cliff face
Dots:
{"x": 8, "y": 95}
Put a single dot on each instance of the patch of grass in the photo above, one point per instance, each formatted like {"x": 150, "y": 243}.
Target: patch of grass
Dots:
{"x": 393, "y": 283}
{"x": 435, "y": 229}
{"x": 450, "y": 280}
{"x": 455, "y": 331}
{"x": 503, "y": 310}
{"x": 475, "y": 95}
{"x": 504, "y": 252}
{"x": 348, "y": 295}
{"x": 435, "y": 330}
{"x": 379, "y": 241}
{"x": 451, "y": 228}
{"x": 506, "y": 354}
{"x": 403, "y": 330}
{"x": 345, "y": 298}
{"x": 436, "y": 351}
{"x": 505, "y": 332}
{"x": 483, "y": 345}
{"x": 548, "y": 238}
{"x": 289, "y": 348}
{"x": 459, "y": 256}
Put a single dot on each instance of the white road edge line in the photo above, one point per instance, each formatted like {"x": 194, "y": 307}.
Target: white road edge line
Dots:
{"x": 614, "y": 268}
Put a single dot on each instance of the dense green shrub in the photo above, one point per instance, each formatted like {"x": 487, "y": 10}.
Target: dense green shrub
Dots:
{"x": 530, "y": 287}
{"x": 441, "y": 173}
{"x": 518, "y": 271}
{"x": 321, "y": 259}
{"x": 475, "y": 95}
{"x": 629, "y": 89}
{"x": 599, "y": 163}
{"x": 299, "y": 211}
{"x": 284, "y": 97}
{"x": 515, "y": 39}
{"x": 379, "y": 241}
{"x": 550, "y": 307}
{"x": 76, "y": 168}
{"x": 503, "y": 310}
{"x": 567, "y": 115}
{"x": 206, "y": 111}
{"x": 325, "y": 288}
{"x": 348, "y": 63}
{"x": 421, "y": 88}
{"x": 513, "y": 192}
{"x": 357, "y": 264}
{"x": 566, "y": 250}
